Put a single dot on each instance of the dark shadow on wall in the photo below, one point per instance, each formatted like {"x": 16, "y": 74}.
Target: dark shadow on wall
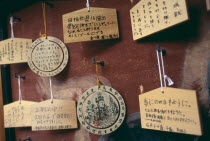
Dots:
{"x": 131, "y": 131}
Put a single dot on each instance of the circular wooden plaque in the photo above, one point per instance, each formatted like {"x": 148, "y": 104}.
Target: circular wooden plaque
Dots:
{"x": 47, "y": 56}
{"x": 101, "y": 110}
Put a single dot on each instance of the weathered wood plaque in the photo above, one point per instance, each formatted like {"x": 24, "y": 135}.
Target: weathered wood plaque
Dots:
{"x": 151, "y": 16}
{"x": 61, "y": 114}
{"x": 101, "y": 110}
{"x": 14, "y": 50}
{"x": 175, "y": 110}
{"x": 47, "y": 56}
{"x": 98, "y": 24}
{"x": 18, "y": 114}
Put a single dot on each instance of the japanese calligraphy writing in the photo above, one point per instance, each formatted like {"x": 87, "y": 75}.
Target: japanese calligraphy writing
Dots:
{"x": 18, "y": 115}
{"x": 14, "y": 50}
{"x": 175, "y": 110}
{"x": 61, "y": 114}
{"x": 151, "y": 16}
{"x": 47, "y": 57}
{"x": 98, "y": 24}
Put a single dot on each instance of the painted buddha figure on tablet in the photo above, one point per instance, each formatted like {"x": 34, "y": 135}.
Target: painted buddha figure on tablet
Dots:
{"x": 102, "y": 110}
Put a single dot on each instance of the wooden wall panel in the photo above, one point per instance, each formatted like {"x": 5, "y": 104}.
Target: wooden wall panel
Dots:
{"x": 2, "y": 131}
{"x": 128, "y": 63}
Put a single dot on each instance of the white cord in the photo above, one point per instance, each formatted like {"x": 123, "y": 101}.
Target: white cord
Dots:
{"x": 12, "y": 23}
{"x": 165, "y": 77}
{"x": 170, "y": 82}
{"x": 88, "y": 5}
{"x": 160, "y": 74}
{"x": 19, "y": 89}
{"x": 51, "y": 92}
{"x": 163, "y": 68}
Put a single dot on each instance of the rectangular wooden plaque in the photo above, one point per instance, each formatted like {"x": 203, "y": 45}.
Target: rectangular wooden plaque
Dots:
{"x": 61, "y": 114}
{"x": 18, "y": 115}
{"x": 14, "y": 50}
{"x": 175, "y": 110}
{"x": 98, "y": 24}
{"x": 151, "y": 16}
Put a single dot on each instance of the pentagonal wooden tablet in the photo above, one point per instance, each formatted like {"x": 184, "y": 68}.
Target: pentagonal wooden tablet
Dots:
{"x": 175, "y": 110}
{"x": 14, "y": 50}
{"x": 151, "y": 16}
{"x": 101, "y": 110}
{"x": 18, "y": 114}
{"x": 61, "y": 114}
{"x": 47, "y": 56}
{"x": 97, "y": 24}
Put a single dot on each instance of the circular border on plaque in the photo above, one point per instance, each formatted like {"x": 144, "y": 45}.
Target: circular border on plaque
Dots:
{"x": 101, "y": 110}
{"x": 47, "y": 56}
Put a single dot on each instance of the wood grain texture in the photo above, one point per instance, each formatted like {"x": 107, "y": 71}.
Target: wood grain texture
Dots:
{"x": 127, "y": 63}
{"x": 175, "y": 110}
{"x": 61, "y": 114}
{"x": 14, "y": 50}
{"x": 151, "y": 16}
{"x": 98, "y": 24}
{"x": 18, "y": 114}
{"x": 2, "y": 130}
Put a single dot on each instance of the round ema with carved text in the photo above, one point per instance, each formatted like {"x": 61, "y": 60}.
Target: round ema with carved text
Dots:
{"x": 47, "y": 56}
{"x": 101, "y": 110}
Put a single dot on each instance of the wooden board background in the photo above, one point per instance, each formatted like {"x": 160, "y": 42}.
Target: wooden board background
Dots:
{"x": 128, "y": 63}
{"x": 2, "y": 130}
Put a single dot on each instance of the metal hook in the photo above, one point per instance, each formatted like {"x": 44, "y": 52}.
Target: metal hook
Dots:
{"x": 16, "y": 76}
{"x": 27, "y": 139}
{"x": 101, "y": 63}
{"x": 159, "y": 50}
{"x": 48, "y": 4}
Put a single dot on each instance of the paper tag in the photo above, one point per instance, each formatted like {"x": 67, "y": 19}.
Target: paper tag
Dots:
{"x": 151, "y": 16}
{"x": 18, "y": 115}
{"x": 98, "y": 24}
{"x": 61, "y": 114}
{"x": 14, "y": 50}
{"x": 175, "y": 110}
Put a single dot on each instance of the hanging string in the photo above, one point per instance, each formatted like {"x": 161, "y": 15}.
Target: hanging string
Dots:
{"x": 51, "y": 92}
{"x": 12, "y": 24}
{"x": 44, "y": 18}
{"x": 163, "y": 67}
{"x": 97, "y": 76}
{"x": 160, "y": 74}
{"x": 88, "y": 5}
{"x": 19, "y": 91}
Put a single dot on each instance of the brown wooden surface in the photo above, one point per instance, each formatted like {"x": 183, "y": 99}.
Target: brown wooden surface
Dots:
{"x": 128, "y": 63}
{"x": 2, "y": 130}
